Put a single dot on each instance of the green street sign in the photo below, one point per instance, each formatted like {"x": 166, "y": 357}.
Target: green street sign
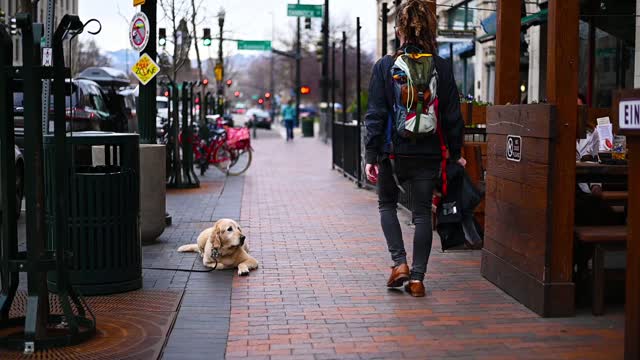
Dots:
{"x": 304, "y": 10}
{"x": 260, "y": 45}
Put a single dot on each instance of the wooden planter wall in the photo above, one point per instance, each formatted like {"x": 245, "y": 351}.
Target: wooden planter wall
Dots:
{"x": 518, "y": 220}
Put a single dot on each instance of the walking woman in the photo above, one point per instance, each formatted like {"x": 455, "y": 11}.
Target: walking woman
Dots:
{"x": 288, "y": 117}
{"x": 414, "y": 127}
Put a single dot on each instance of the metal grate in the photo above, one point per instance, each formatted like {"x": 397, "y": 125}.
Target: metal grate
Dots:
{"x": 130, "y": 326}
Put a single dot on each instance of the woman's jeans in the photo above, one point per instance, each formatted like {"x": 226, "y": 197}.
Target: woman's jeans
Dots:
{"x": 418, "y": 179}
{"x": 289, "y": 125}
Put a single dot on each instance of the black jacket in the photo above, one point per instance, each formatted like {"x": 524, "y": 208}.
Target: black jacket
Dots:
{"x": 381, "y": 101}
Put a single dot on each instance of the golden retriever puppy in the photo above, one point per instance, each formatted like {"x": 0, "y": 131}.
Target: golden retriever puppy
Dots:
{"x": 222, "y": 247}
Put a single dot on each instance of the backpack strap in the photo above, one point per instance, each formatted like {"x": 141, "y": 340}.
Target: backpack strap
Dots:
{"x": 392, "y": 154}
{"x": 443, "y": 150}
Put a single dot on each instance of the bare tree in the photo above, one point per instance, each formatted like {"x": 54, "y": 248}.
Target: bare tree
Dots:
{"x": 88, "y": 55}
{"x": 176, "y": 12}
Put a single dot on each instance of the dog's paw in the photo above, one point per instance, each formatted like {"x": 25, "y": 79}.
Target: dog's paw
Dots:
{"x": 243, "y": 272}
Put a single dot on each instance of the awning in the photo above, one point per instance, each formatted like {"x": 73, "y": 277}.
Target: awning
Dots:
{"x": 490, "y": 27}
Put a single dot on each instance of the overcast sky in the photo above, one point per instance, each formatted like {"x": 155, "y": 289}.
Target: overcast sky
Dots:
{"x": 245, "y": 19}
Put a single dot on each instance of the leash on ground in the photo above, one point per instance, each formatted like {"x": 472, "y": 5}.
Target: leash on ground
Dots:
{"x": 215, "y": 266}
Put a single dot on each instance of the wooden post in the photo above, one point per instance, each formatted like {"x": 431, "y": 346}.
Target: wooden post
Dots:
{"x": 626, "y": 112}
{"x": 508, "y": 52}
{"x": 632, "y": 319}
{"x": 562, "y": 90}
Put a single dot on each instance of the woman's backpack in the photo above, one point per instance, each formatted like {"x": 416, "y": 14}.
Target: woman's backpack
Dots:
{"x": 415, "y": 83}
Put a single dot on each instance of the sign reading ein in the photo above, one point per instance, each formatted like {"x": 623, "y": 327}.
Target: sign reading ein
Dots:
{"x": 514, "y": 148}
{"x": 629, "y": 116}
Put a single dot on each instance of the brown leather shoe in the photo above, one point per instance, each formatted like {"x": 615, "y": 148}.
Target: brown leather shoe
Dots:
{"x": 415, "y": 288}
{"x": 399, "y": 274}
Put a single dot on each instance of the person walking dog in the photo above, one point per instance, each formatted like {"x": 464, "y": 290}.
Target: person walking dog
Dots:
{"x": 414, "y": 127}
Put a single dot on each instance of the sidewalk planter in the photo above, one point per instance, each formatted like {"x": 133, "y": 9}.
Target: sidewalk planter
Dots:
{"x": 465, "y": 110}
{"x": 479, "y": 115}
{"x": 103, "y": 231}
{"x": 307, "y": 127}
{"x": 521, "y": 255}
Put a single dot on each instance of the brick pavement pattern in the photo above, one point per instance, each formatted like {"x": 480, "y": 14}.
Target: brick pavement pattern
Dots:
{"x": 320, "y": 291}
{"x": 202, "y": 324}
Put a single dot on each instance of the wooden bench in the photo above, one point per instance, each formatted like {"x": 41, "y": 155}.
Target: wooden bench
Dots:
{"x": 603, "y": 239}
{"x": 615, "y": 196}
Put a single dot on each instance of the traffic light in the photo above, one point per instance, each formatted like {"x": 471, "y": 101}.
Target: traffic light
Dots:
{"x": 206, "y": 37}
{"x": 229, "y": 83}
{"x": 2, "y": 16}
{"x": 307, "y": 23}
{"x": 162, "y": 37}
{"x": 261, "y": 101}
{"x": 205, "y": 82}
{"x": 267, "y": 95}
{"x": 166, "y": 93}
{"x": 305, "y": 90}
{"x": 319, "y": 50}
{"x": 236, "y": 94}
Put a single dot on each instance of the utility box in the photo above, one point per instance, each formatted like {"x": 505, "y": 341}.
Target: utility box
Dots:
{"x": 103, "y": 209}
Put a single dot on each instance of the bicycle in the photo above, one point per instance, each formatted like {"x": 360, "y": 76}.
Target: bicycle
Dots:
{"x": 227, "y": 148}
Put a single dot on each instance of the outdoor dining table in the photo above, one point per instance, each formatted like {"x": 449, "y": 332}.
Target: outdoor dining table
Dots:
{"x": 588, "y": 172}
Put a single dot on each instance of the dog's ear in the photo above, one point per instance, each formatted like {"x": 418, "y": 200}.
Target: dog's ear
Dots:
{"x": 216, "y": 235}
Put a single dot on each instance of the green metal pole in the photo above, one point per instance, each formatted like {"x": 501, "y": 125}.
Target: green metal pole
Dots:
{"x": 147, "y": 101}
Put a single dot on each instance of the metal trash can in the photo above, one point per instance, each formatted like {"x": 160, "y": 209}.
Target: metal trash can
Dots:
{"x": 103, "y": 211}
{"x": 307, "y": 127}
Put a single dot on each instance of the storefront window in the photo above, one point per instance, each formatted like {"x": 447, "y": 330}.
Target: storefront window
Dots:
{"x": 461, "y": 17}
{"x": 614, "y": 59}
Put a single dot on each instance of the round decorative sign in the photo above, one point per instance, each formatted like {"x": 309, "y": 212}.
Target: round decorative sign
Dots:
{"x": 139, "y": 31}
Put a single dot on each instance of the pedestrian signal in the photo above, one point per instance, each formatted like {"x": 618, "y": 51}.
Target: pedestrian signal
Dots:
{"x": 305, "y": 90}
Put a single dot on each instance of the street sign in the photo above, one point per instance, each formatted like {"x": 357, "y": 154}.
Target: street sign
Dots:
{"x": 47, "y": 56}
{"x": 514, "y": 148}
{"x": 629, "y": 116}
{"x": 138, "y": 2}
{"x": 145, "y": 69}
{"x": 304, "y": 10}
{"x": 139, "y": 31}
{"x": 458, "y": 34}
{"x": 218, "y": 72}
{"x": 259, "y": 45}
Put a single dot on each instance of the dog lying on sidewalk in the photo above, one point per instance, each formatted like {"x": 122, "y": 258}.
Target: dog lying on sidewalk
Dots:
{"x": 222, "y": 247}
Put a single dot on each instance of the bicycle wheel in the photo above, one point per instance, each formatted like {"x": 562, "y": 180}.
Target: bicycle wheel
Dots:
{"x": 222, "y": 159}
{"x": 240, "y": 161}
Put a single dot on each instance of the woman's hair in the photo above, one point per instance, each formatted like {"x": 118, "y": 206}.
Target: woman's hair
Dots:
{"x": 417, "y": 23}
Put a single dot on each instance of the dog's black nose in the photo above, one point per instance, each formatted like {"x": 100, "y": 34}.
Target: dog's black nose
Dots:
{"x": 242, "y": 239}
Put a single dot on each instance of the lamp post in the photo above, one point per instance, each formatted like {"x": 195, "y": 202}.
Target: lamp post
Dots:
{"x": 221, "y": 15}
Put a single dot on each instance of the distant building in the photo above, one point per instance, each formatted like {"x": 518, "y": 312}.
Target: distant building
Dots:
{"x": 467, "y": 36}
{"x": 11, "y": 7}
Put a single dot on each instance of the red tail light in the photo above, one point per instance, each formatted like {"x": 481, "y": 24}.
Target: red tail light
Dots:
{"x": 79, "y": 114}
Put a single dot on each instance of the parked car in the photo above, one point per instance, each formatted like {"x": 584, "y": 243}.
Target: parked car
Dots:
{"x": 308, "y": 112}
{"x": 162, "y": 106}
{"x": 86, "y": 109}
{"x": 19, "y": 160}
{"x": 119, "y": 99}
{"x": 239, "y": 108}
{"x": 258, "y": 117}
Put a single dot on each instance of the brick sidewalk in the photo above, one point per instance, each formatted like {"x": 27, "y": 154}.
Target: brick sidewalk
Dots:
{"x": 320, "y": 292}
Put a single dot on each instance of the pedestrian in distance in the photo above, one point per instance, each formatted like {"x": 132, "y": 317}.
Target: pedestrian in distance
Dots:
{"x": 289, "y": 117}
{"x": 414, "y": 128}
